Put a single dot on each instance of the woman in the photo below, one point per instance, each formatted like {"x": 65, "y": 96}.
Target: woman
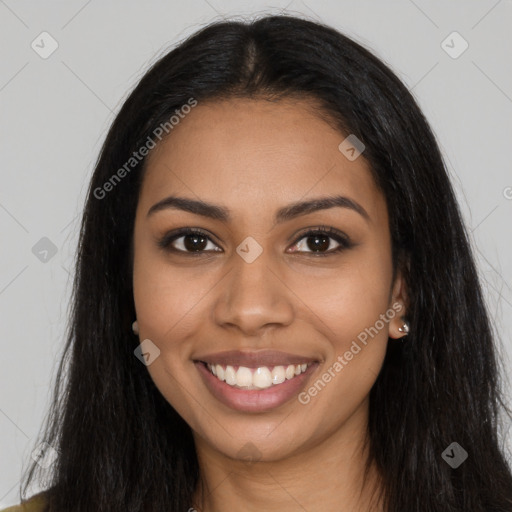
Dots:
{"x": 275, "y": 306}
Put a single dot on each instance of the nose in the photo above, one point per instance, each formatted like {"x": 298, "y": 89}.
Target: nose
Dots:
{"x": 253, "y": 298}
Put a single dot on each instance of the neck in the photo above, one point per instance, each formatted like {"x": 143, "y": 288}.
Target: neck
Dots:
{"x": 327, "y": 476}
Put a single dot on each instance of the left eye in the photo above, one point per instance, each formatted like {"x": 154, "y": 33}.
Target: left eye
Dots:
{"x": 321, "y": 242}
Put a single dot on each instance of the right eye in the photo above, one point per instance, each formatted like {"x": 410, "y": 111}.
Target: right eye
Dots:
{"x": 188, "y": 240}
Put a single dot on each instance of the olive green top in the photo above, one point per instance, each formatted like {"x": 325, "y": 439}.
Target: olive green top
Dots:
{"x": 34, "y": 504}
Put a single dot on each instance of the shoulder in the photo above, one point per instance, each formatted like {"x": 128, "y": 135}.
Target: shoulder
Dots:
{"x": 34, "y": 504}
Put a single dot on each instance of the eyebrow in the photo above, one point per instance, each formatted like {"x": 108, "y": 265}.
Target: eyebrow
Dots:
{"x": 284, "y": 214}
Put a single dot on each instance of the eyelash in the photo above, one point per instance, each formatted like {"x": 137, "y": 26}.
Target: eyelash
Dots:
{"x": 343, "y": 240}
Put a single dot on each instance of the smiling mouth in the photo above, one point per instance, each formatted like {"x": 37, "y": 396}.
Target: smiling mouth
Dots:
{"x": 262, "y": 377}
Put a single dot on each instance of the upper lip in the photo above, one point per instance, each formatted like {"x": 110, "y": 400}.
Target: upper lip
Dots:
{"x": 254, "y": 359}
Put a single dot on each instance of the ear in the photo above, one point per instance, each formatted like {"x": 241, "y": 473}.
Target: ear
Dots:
{"x": 398, "y": 304}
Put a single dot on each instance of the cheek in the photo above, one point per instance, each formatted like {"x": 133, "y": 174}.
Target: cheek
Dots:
{"x": 348, "y": 312}
{"x": 350, "y": 298}
{"x": 166, "y": 297}
{"x": 166, "y": 303}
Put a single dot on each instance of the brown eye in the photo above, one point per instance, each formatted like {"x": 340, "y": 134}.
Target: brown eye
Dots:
{"x": 318, "y": 242}
{"x": 188, "y": 241}
{"x": 322, "y": 242}
{"x": 194, "y": 242}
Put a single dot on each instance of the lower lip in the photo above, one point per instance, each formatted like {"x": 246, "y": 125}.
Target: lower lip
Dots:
{"x": 254, "y": 400}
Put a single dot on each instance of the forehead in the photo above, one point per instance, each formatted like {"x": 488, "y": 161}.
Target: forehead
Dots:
{"x": 243, "y": 152}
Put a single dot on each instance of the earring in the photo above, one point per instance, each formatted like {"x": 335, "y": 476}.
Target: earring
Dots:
{"x": 135, "y": 327}
{"x": 404, "y": 328}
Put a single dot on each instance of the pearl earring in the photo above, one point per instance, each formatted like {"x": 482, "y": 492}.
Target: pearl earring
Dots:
{"x": 135, "y": 327}
{"x": 404, "y": 328}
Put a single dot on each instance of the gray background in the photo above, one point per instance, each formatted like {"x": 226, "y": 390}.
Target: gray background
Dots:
{"x": 55, "y": 113}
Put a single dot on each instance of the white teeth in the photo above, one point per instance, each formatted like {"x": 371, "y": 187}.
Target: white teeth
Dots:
{"x": 290, "y": 371}
{"x": 219, "y": 372}
{"x": 230, "y": 375}
{"x": 278, "y": 375}
{"x": 262, "y": 377}
{"x": 244, "y": 377}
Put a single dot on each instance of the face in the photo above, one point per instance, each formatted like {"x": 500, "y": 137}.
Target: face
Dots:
{"x": 283, "y": 288}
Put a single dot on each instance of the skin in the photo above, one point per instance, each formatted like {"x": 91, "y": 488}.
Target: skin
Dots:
{"x": 253, "y": 157}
